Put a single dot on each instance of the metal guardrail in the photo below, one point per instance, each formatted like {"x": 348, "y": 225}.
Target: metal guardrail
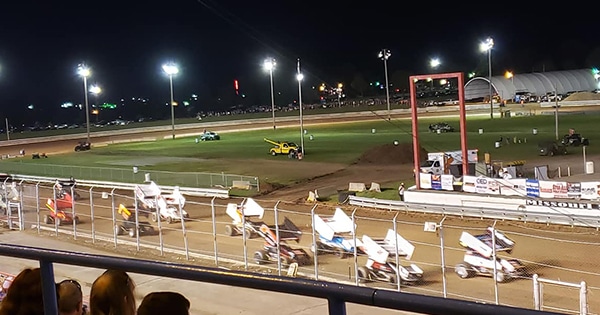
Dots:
{"x": 556, "y": 217}
{"x": 336, "y": 294}
{"x": 198, "y": 192}
{"x": 133, "y": 175}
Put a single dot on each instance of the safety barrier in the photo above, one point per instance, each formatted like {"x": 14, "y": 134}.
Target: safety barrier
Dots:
{"x": 336, "y": 294}
{"x": 510, "y": 212}
{"x": 198, "y": 192}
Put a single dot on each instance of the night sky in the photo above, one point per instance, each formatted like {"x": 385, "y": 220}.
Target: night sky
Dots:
{"x": 215, "y": 42}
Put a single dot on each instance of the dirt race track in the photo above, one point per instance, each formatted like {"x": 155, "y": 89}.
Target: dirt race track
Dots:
{"x": 558, "y": 253}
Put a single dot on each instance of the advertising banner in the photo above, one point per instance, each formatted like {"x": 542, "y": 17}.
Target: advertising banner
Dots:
{"x": 436, "y": 182}
{"x": 447, "y": 182}
{"x": 512, "y": 187}
{"x": 573, "y": 190}
{"x": 469, "y": 183}
{"x": 551, "y": 189}
{"x": 484, "y": 185}
{"x": 425, "y": 180}
{"x": 590, "y": 190}
{"x": 533, "y": 187}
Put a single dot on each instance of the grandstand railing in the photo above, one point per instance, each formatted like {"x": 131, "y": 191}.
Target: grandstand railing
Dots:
{"x": 336, "y": 294}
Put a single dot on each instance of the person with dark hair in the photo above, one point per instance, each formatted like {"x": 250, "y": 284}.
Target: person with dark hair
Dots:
{"x": 70, "y": 298}
{"x": 401, "y": 190}
{"x": 158, "y": 303}
{"x": 24, "y": 296}
{"x": 113, "y": 294}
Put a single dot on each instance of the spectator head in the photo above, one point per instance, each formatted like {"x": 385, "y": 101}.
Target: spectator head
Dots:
{"x": 70, "y": 298}
{"x": 112, "y": 293}
{"x": 24, "y": 296}
{"x": 171, "y": 303}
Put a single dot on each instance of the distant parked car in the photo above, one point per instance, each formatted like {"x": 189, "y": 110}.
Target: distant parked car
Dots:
{"x": 210, "y": 135}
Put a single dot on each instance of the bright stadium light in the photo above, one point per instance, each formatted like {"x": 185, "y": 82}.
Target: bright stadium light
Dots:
{"x": 171, "y": 70}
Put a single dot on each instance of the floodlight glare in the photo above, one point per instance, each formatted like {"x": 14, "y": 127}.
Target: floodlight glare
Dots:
{"x": 170, "y": 69}
{"x": 95, "y": 89}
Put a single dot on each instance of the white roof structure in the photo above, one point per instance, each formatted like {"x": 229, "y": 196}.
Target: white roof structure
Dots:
{"x": 537, "y": 83}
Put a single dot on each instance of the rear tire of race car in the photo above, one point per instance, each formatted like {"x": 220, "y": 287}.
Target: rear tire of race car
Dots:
{"x": 131, "y": 232}
{"x": 363, "y": 275}
{"x": 260, "y": 257}
{"x": 463, "y": 271}
{"x": 230, "y": 231}
{"x": 154, "y": 218}
{"x": 340, "y": 253}
{"x": 285, "y": 262}
{"x": 48, "y": 219}
{"x": 273, "y": 153}
{"x": 118, "y": 230}
{"x": 76, "y": 220}
{"x": 501, "y": 277}
{"x": 169, "y": 220}
{"x": 393, "y": 279}
{"x": 58, "y": 221}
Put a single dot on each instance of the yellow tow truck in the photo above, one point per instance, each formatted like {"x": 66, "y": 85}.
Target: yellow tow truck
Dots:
{"x": 282, "y": 147}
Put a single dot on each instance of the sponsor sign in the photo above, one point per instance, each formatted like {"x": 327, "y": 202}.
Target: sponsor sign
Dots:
{"x": 562, "y": 204}
{"x": 436, "y": 182}
{"x": 447, "y": 182}
{"x": 533, "y": 187}
{"x": 590, "y": 190}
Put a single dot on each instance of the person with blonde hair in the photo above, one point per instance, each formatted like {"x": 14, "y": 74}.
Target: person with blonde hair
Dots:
{"x": 24, "y": 296}
{"x": 113, "y": 294}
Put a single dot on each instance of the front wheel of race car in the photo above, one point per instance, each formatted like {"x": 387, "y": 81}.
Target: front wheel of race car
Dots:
{"x": 154, "y": 218}
{"x": 363, "y": 274}
{"x": 131, "y": 232}
{"x": 260, "y": 257}
{"x": 463, "y": 271}
{"x": 48, "y": 219}
{"x": 229, "y": 230}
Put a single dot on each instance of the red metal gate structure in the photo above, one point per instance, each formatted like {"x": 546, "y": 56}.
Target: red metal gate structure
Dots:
{"x": 415, "y": 126}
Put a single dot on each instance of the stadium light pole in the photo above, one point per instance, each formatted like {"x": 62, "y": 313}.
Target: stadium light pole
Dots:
{"x": 171, "y": 70}
{"x": 487, "y": 46}
{"x": 384, "y": 55}
{"x": 269, "y": 65}
{"x": 300, "y": 77}
{"x": 96, "y": 90}
{"x": 85, "y": 72}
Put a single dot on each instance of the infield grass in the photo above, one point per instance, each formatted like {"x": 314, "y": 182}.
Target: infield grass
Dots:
{"x": 245, "y": 153}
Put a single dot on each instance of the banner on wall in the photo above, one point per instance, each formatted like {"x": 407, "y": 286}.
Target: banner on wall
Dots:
{"x": 512, "y": 187}
{"x": 590, "y": 190}
{"x": 469, "y": 183}
{"x": 533, "y": 187}
{"x": 573, "y": 190}
{"x": 484, "y": 185}
{"x": 551, "y": 189}
{"x": 436, "y": 182}
{"x": 425, "y": 180}
{"x": 448, "y": 182}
